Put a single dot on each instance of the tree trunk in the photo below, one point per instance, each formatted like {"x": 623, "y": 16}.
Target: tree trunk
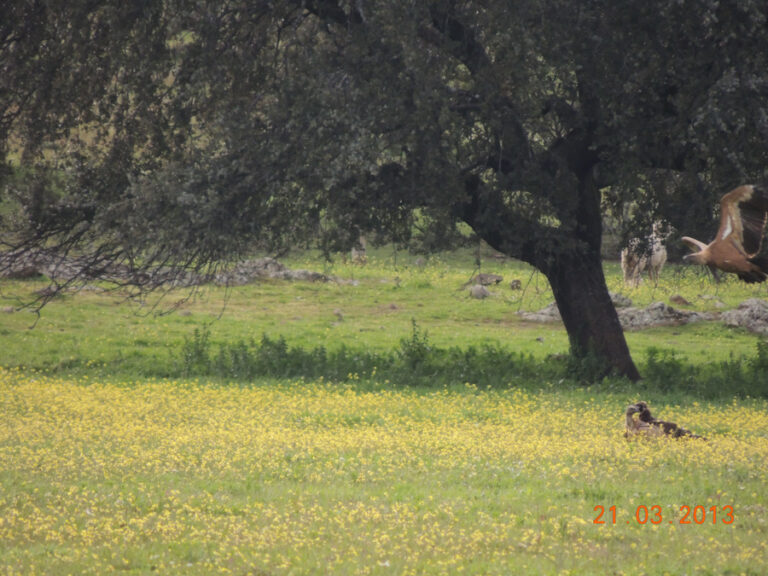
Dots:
{"x": 590, "y": 318}
{"x": 571, "y": 264}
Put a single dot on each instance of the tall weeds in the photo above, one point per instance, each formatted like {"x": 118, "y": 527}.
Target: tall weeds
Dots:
{"x": 416, "y": 362}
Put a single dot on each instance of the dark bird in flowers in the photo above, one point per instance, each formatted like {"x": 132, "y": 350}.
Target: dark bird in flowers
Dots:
{"x": 635, "y": 427}
{"x": 736, "y": 248}
{"x": 646, "y": 424}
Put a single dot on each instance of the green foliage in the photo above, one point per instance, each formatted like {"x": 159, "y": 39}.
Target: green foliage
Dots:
{"x": 170, "y": 134}
{"x": 418, "y": 363}
{"x": 414, "y": 363}
{"x": 195, "y": 357}
{"x": 760, "y": 363}
{"x": 227, "y": 117}
{"x": 665, "y": 369}
{"x": 415, "y": 351}
{"x": 736, "y": 376}
{"x": 583, "y": 368}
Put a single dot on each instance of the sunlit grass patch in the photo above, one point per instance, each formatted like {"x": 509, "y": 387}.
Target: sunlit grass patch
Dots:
{"x": 318, "y": 478}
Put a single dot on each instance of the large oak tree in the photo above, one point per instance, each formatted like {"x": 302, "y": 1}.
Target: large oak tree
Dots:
{"x": 183, "y": 133}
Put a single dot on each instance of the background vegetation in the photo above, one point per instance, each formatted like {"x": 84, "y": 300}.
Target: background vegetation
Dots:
{"x": 402, "y": 318}
{"x": 166, "y": 136}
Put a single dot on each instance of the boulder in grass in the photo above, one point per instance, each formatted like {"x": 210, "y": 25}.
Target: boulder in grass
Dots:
{"x": 619, "y": 300}
{"x": 479, "y": 292}
{"x": 658, "y": 314}
{"x": 549, "y": 313}
{"x": 487, "y": 279}
{"x": 252, "y": 270}
{"x": 751, "y": 314}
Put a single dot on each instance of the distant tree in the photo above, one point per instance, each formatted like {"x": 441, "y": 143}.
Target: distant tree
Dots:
{"x": 183, "y": 132}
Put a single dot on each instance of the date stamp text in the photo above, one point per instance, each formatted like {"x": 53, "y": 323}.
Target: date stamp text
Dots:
{"x": 655, "y": 515}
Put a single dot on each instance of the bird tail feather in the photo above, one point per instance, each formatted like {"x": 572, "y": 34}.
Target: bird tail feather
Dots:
{"x": 761, "y": 261}
{"x": 760, "y": 196}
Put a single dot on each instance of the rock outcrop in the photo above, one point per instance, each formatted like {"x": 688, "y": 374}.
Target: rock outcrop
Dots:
{"x": 631, "y": 318}
{"x": 254, "y": 270}
{"x": 66, "y": 269}
{"x": 479, "y": 292}
{"x": 751, "y": 314}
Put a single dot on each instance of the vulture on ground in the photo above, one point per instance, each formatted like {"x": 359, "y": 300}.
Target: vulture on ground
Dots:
{"x": 648, "y": 425}
{"x": 736, "y": 248}
{"x": 636, "y": 427}
{"x": 669, "y": 428}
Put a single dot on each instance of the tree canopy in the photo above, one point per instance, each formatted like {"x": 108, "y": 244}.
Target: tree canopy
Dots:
{"x": 183, "y": 133}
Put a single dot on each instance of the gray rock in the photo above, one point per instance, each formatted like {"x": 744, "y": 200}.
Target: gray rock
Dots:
{"x": 487, "y": 279}
{"x": 252, "y": 270}
{"x": 658, "y": 314}
{"x": 619, "y": 300}
{"x": 751, "y": 314}
{"x": 65, "y": 269}
{"x": 549, "y": 313}
{"x": 479, "y": 292}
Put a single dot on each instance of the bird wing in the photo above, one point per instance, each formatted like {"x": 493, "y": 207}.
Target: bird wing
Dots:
{"x": 693, "y": 244}
{"x": 743, "y": 215}
{"x": 666, "y": 427}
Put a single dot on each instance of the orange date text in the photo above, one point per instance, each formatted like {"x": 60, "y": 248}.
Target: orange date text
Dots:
{"x": 655, "y": 515}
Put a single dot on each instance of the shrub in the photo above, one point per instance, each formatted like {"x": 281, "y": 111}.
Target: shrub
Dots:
{"x": 416, "y": 362}
{"x": 195, "y": 353}
{"x": 414, "y": 351}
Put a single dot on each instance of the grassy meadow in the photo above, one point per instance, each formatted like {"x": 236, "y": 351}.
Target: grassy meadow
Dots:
{"x": 372, "y": 308}
{"x": 121, "y": 451}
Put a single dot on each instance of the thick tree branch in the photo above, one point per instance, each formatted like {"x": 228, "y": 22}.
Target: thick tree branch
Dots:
{"x": 510, "y": 233}
{"x": 331, "y": 11}
{"x": 464, "y": 44}
{"x": 448, "y": 32}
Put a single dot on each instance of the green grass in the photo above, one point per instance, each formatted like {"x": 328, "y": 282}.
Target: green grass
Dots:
{"x": 101, "y": 333}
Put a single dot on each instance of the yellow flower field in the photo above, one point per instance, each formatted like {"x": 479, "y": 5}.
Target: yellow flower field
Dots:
{"x": 318, "y": 478}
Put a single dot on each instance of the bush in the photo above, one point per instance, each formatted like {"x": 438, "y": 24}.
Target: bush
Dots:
{"x": 195, "y": 353}
{"x": 737, "y": 376}
{"x": 416, "y": 362}
{"x": 414, "y": 351}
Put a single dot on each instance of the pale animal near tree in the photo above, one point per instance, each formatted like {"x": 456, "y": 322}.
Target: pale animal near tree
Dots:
{"x": 634, "y": 427}
{"x": 640, "y": 255}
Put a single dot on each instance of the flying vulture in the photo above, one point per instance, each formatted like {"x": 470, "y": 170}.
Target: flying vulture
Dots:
{"x": 736, "y": 248}
{"x": 647, "y": 425}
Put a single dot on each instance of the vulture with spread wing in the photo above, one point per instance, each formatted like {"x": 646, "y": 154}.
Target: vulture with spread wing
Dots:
{"x": 668, "y": 428}
{"x": 647, "y": 425}
{"x": 736, "y": 248}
